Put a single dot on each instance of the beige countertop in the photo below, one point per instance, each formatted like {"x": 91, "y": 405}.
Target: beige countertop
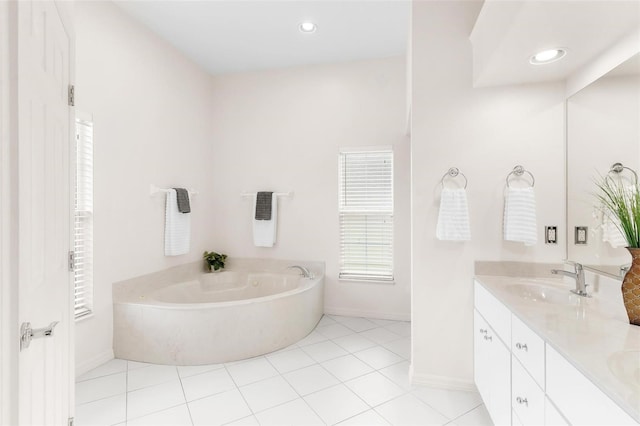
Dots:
{"x": 590, "y": 333}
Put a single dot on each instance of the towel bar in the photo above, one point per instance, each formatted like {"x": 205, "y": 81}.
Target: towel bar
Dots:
{"x": 618, "y": 168}
{"x": 519, "y": 171}
{"x": 278, "y": 194}
{"x": 153, "y": 190}
{"x": 452, "y": 173}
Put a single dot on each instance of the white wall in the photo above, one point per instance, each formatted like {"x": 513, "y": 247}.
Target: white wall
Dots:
{"x": 281, "y": 130}
{"x": 152, "y": 112}
{"x": 484, "y": 132}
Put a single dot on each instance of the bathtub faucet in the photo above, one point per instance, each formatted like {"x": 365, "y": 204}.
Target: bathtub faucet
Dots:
{"x": 303, "y": 271}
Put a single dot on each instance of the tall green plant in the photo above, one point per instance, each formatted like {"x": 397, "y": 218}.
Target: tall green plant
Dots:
{"x": 622, "y": 202}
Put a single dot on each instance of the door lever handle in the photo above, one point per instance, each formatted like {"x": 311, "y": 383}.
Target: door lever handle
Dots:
{"x": 27, "y": 333}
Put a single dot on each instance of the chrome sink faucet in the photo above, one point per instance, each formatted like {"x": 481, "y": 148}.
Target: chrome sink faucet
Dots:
{"x": 578, "y": 275}
{"x": 303, "y": 271}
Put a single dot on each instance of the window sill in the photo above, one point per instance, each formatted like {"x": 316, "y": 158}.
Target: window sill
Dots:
{"x": 376, "y": 282}
{"x": 84, "y": 317}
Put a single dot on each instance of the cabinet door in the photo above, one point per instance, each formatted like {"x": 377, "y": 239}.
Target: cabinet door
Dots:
{"x": 500, "y": 380}
{"x": 527, "y": 397}
{"x": 480, "y": 356}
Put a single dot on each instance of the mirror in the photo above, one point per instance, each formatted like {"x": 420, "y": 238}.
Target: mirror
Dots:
{"x": 603, "y": 129}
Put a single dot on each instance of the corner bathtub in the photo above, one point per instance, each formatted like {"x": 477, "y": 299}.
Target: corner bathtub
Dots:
{"x": 183, "y": 316}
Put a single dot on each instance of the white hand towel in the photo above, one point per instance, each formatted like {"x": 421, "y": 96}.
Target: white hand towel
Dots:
{"x": 264, "y": 231}
{"x": 611, "y": 233}
{"x": 520, "y": 216}
{"x": 177, "y": 227}
{"x": 453, "y": 217}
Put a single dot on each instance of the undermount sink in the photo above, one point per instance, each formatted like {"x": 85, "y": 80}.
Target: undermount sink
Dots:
{"x": 544, "y": 293}
{"x": 625, "y": 365}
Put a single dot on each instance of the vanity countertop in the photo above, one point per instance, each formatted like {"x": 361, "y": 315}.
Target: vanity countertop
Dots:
{"x": 591, "y": 335}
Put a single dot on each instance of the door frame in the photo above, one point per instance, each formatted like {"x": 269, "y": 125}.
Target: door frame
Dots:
{"x": 9, "y": 195}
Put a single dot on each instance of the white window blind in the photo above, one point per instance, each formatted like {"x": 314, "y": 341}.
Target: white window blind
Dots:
{"x": 83, "y": 220}
{"x": 366, "y": 215}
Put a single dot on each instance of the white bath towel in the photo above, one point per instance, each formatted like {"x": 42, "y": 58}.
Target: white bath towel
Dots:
{"x": 453, "y": 217}
{"x": 177, "y": 227}
{"x": 520, "y": 216}
{"x": 611, "y": 233}
{"x": 264, "y": 231}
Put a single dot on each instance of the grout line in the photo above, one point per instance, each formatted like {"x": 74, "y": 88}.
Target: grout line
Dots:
{"x": 240, "y": 392}
{"x": 185, "y": 396}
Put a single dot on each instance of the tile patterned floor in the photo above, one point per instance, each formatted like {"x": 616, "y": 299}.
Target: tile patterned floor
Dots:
{"x": 348, "y": 371}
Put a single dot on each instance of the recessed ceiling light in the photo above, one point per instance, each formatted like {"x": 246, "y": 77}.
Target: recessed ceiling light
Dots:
{"x": 307, "y": 27}
{"x": 548, "y": 56}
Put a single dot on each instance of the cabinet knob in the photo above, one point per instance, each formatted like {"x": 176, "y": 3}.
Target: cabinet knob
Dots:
{"x": 522, "y": 346}
{"x": 483, "y": 331}
{"x": 489, "y": 338}
{"x": 522, "y": 401}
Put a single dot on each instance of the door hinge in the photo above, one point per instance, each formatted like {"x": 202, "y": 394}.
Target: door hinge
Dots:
{"x": 70, "y": 422}
{"x": 72, "y": 261}
{"x": 72, "y": 95}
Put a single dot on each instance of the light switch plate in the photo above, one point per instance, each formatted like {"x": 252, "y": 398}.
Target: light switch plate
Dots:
{"x": 581, "y": 235}
{"x": 551, "y": 235}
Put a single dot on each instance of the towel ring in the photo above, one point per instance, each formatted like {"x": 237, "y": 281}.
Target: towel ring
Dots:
{"x": 453, "y": 172}
{"x": 519, "y": 171}
{"x": 618, "y": 168}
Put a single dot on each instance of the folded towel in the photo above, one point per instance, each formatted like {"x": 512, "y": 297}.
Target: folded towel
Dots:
{"x": 264, "y": 231}
{"x": 183, "y": 200}
{"x": 177, "y": 227}
{"x": 520, "y": 216}
{"x": 263, "y": 205}
{"x": 611, "y": 232}
{"x": 453, "y": 218}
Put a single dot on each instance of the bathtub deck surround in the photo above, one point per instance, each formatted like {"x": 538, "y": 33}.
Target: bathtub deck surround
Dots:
{"x": 347, "y": 371}
{"x": 182, "y": 316}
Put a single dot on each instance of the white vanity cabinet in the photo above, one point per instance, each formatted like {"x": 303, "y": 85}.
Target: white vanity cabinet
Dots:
{"x": 492, "y": 358}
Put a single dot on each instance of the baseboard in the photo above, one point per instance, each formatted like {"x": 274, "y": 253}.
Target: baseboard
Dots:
{"x": 94, "y": 362}
{"x": 367, "y": 314}
{"x": 442, "y": 382}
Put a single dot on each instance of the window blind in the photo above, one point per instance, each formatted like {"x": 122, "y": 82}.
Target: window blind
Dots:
{"x": 366, "y": 215}
{"x": 83, "y": 220}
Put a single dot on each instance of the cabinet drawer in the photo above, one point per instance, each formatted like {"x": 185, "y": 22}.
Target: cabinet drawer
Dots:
{"x": 496, "y": 314}
{"x": 527, "y": 399}
{"x": 528, "y": 347}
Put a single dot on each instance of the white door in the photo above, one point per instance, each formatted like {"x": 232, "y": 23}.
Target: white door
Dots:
{"x": 44, "y": 281}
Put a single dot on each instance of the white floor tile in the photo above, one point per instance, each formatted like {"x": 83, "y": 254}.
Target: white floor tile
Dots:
{"x": 111, "y": 367}
{"x": 290, "y": 360}
{"x": 368, "y": 418}
{"x": 285, "y": 349}
{"x": 245, "y": 421}
{"x": 401, "y": 347}
{"x": 359, "y": 324}
{"x": 399, "y": 374}
{"x": 335, "y": 404}
{"x": 338, "y": 318}
{"x": 206, "y": 384}
{"x": 380, "y": 335}
{"x": 251, "y": 371}
{"x": 219, "y": 409}
{"x": 383, "y": 322}
{"x": 106, "y": 411}
{"x": 296, "y": 412}
{"x": 176, "y": 416}
{"x": 154, "y": 398}
{"x": 476, "y": 417}
{"x": 313, "y": 337}
{"x": 150, "y": 376}
{"x": 134, "y": 365}
{"x": 354, "y": 343}
{"x": 325, "y": 321}
{"x": 310, "y": 379}
{"x": 378, "y": 357}
{"x": 324, "y": 351}
{"x": 449, "y": 402}
{"x": 347, "y": 367}
{"x": 334, "y": 331}
{"x": 374, "y": 388}
{"x": 192, "y": 370}
{"x": 268, "y": 393}
{"x": 101, "y": 387}
{"x": 408, "y": 410}
{"x": 401, "y": 328}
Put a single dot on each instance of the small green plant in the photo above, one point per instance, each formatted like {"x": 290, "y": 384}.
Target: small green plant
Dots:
{"x": 214, "y": 260}
{"x": 622, "y": 202}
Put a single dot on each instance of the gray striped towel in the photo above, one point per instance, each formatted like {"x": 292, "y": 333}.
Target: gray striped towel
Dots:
{"x": 263, "y": 206}
{"x": 183, "y": 200}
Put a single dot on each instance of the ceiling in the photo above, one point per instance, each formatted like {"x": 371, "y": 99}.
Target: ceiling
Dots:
{"x": 508, "y": 33}
{"x": 237, "y": 36}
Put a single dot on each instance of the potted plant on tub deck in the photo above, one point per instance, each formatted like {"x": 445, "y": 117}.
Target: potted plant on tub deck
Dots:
{"x": 215, "y": 261}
